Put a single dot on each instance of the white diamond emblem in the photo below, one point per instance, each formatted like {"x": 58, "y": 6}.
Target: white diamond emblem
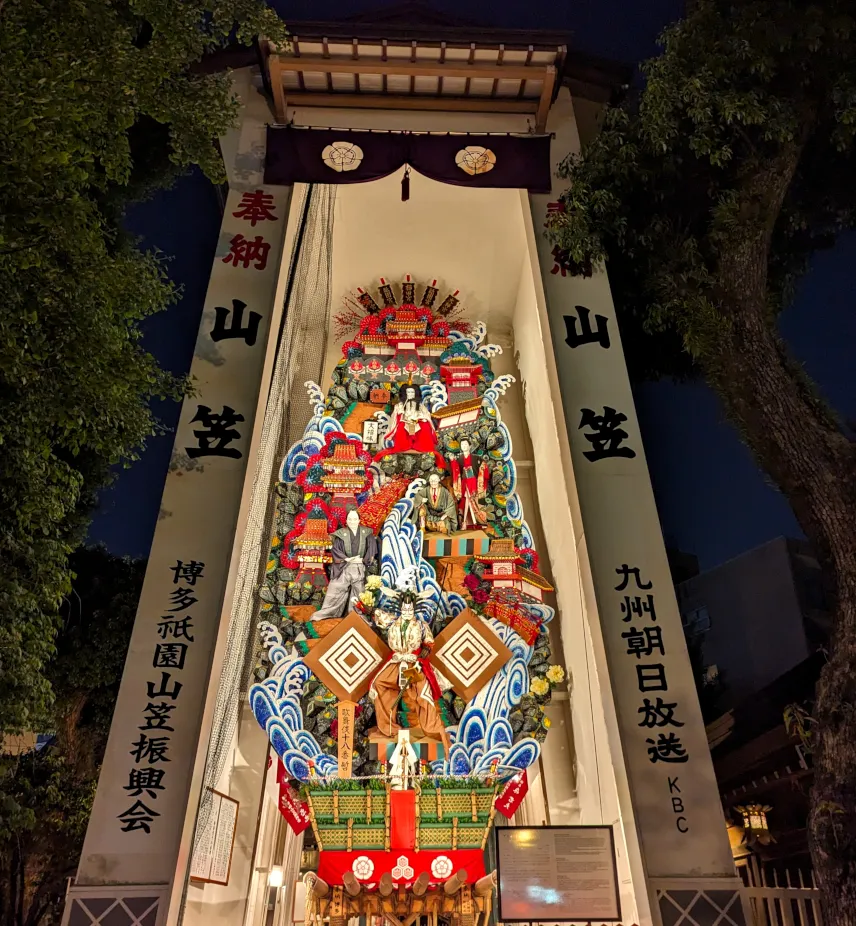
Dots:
{"x": 350, "y": 660}
{"x": 467, "y": 654}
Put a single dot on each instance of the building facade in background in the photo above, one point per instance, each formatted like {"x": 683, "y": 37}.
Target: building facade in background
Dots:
{"x": 756, "y": 616}
{"x": 757, "y": 625}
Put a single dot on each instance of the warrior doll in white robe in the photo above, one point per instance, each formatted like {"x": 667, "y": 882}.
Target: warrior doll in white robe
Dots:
{"x": 407, "y": 689}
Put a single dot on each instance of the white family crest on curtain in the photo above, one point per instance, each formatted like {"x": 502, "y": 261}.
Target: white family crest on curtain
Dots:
{"x": 475, "y": 159}
{"x": 342, "y": 156}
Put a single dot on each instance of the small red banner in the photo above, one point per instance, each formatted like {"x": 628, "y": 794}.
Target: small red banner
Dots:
{"x": 295, "y": 811}
{"x": 511, "y": 796}
{"x": 402, "y": 824}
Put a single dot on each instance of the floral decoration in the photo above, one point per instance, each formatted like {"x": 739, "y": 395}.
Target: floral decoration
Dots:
{"x": 539, "y": 687}
{"x": 555, "y": 675}
{"x": 363, "y": 867}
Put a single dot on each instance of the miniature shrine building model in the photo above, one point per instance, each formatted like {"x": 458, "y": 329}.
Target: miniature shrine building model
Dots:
{"x": 408, "y": 590}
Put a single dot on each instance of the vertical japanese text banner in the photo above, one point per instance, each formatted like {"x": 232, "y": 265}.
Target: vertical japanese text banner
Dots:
{"x": 674, "y": 795}
{"x": 142, "y": 795}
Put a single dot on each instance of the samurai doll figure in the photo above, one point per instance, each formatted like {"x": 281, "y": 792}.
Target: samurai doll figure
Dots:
{"x": 470, "y": 478}
{"x": 407, "y": 688}
{"x": 434, "y": 508}
{"x": 354, "y": 552}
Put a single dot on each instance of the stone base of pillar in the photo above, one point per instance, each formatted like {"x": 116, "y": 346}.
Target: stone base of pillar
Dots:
{"x": 117, "y": 905}
{"x": 699, "y": 901}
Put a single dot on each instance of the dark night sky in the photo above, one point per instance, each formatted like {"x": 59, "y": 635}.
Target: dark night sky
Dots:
{"x": 713, "y": 501}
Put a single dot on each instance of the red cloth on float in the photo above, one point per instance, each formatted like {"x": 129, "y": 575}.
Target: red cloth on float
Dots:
{"x": 423, "y": 441}
{"x": 402, "y": 822}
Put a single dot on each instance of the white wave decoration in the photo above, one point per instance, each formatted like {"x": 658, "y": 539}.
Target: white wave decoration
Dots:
{"x": 528, "y": 539}
{"x": 435, "y": 395}
{"x": 319, "y": 426}
{"x": 275, "y": 702}
{"x": 401, "y": 555}
{"x": 509, "y": 498}
{"x": 514, "y": 509}
{"x": 543, "y": 611}
{"x": 489, "y": 350}
{"x": 474, "y": 340}
{"x": 498, "y": 388}
{"x": 316, "y": 396}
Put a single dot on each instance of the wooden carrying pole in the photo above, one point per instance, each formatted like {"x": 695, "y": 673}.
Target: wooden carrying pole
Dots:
{"x": 352, "y": 886}
{"x": 420, "y": 885}
{"x": 485, "y": 885}
{"x": 316, "y": 885}
{"x": 453, "y": 885}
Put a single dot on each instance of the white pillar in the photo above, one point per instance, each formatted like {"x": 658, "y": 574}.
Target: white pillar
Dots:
{"x": 136, "y": 853}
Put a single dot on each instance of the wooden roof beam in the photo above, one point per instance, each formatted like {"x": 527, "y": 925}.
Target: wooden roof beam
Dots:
{"x": 546, "y": 100}
{"x": 473, "y": 104}
{"x": 320, "y": 64}
{"x": 275, "y": 72}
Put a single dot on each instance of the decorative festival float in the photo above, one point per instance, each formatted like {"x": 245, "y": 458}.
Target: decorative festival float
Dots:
{"x": 406, "y": 657}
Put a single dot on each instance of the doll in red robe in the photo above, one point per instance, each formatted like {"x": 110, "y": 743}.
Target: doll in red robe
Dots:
{"x": 410, "y": 425}
{"x": 469, "y": 483}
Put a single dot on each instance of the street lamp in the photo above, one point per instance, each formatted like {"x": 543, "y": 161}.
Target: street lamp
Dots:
{"x": 755, "y": 822}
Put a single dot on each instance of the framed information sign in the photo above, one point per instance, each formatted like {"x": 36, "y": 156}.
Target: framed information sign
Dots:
{"x": 556, "y": 874}
{"x": 212, "y": 854}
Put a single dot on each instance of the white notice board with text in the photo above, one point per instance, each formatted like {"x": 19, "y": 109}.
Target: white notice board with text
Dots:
{"x": 212, "y": 853}
{"x": 556, "y": 874}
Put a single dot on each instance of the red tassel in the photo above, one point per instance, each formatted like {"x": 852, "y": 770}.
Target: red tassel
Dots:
{"x": 405, "y": 185}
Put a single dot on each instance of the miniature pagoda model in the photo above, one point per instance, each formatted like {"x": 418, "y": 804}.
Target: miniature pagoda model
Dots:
{"x": 345, "y": 475}
{"x": 460, "y": 374}
{"x": 311, "y": 550}
{"x": 402, "y": 666}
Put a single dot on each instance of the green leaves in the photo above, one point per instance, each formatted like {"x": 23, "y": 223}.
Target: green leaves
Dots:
{"x": 104, "y": 107}
{"x": 690, "y": 169}
{"x": 46, "y": 795}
